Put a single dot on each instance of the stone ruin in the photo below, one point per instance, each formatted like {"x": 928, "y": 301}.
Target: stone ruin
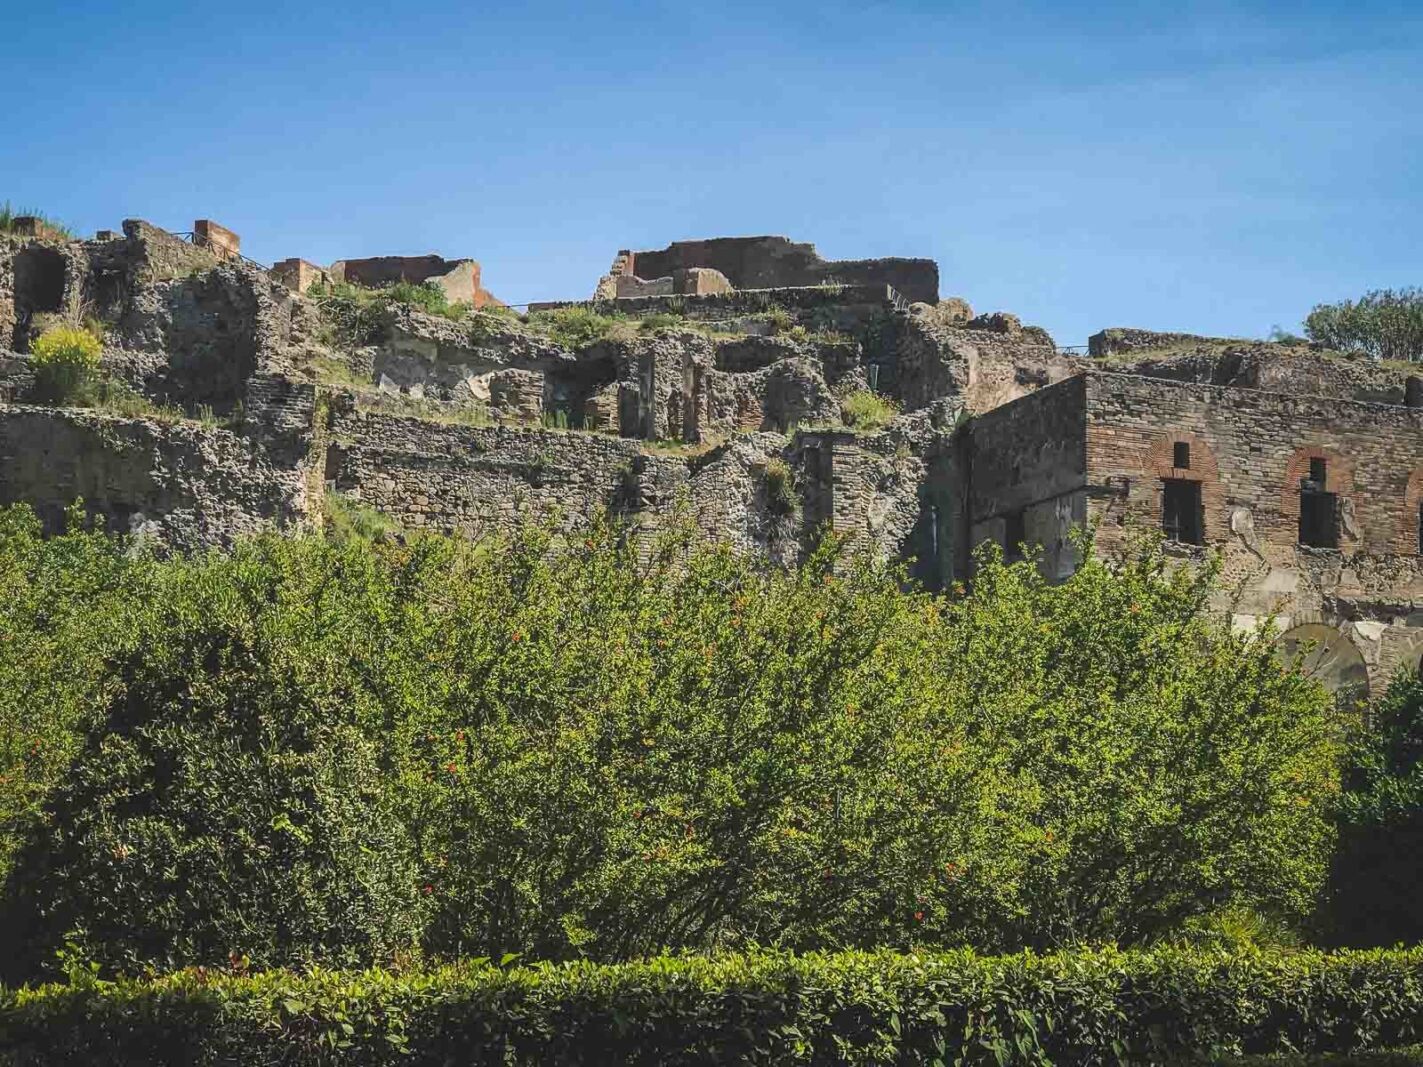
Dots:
{"x": 700, "y": 267}
{"x": 722, "y": 379}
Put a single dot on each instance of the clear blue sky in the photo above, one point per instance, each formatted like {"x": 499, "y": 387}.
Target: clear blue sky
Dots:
{"x": 1209, "y": 167}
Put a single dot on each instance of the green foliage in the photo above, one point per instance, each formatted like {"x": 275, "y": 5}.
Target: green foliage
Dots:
{"x": 427, "y": 297}
{"x": 346, "y": 518}
{"x": 1379, "y": 866}
{"x": 356, "y": 315}
{"x": 576, "y": 326}
{"x": 1385, "y": 323}
{"x": 867, "y": 410}
{"x": 66, "y": 361}
{"x": 1092, "y": 1007}
{"x": 582, "y": 752}
{"x": 54, "y": 680}
{"x": 779, "y": 480}
{"x": 778, "y": 319}
{"x": 661, "y": 320}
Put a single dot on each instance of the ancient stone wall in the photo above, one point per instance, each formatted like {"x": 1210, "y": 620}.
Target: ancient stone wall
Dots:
{"x": 183, "y": 484}
{"x": 1118, "y": 339}
{"x": 774, "y": 262}
{"x": 1249, "y": 451}
{"x": 458, "y": 278}
{"x": 1027, "y": 471}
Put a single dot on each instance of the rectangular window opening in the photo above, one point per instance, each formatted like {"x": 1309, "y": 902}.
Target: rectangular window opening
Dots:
{"x": 1181, "y": 455}
{"x": 1015, "y": 532}
{"x": 1318, "y": 473}
{"x": 1318, "y": 519}
{"x": 1182, "y": 518}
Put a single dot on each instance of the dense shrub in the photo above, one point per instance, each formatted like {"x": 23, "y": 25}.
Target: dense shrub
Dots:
{"x": 66, "y": 605}
{"x": 1098, "y": 1007}
{"x": 66, "y": 362}
{"x": 1378, "y": 869}
{"x": 571, "y": 750}
{"x": 1385, "y": 323}
{"x": 575, "y": 326}
{"x": 867, "y": 410}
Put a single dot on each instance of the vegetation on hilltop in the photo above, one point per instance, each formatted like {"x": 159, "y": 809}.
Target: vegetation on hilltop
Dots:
{"x": 1384, "y": 323}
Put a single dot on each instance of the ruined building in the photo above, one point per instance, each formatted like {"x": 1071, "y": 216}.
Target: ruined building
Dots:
{"x": 770, "y": 392}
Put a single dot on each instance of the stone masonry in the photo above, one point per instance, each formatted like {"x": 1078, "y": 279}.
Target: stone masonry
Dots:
{"x": 713, "y": 379}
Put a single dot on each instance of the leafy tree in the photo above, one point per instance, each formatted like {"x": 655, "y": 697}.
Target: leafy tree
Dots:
{"x": 570, "y": 747}
{"x": 1385, "y": 323}
{"x": 1379, "y": 867}
{"x": 66, "y": 604}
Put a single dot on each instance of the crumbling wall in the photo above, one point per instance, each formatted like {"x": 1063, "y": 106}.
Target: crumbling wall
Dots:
{"x": 184, "y": 484}
{"x": 41, "y": 283}
{"x": 777, "y": 262}
{"x": 1027, "y": 465}
{"x": 1250, "y": 450}
{"x": 988, "y": 361}
{"x": 460, "y": 279}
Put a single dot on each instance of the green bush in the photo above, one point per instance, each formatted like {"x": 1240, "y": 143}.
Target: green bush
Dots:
{"x": 867, "y": 410}
{"x": 779, "y": 480}
{"x": 66, "y": 361}
{"x": 427, "y": 297}
{"x": 67, "y": 604}
{"x": 584, "y": 752}
{"x": 220, "y": 805}
{"x": 575, "y": 326}
{"x": 1090, "y": 1007}
{"x": 1385, "y": 323}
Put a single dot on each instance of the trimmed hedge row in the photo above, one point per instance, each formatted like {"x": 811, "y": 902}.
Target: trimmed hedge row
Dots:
{"x": 1094, "y": 1007}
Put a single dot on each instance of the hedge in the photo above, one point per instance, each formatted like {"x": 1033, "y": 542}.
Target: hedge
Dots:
{"x": 1090, "y": 1007}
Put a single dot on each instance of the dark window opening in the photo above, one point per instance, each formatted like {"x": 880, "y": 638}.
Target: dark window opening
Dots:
{"x": 1182, "y": 518}
{"x": 1181, "y": 455}
{"x": 1318, "y": 519}
{"x": 39, "y": 288}
{"x": 1318, "y": 473}
{"x": 1014, "y": 534}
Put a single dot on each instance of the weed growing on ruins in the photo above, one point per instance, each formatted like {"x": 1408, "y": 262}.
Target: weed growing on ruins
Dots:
{"x": 867, "y": 411}
{"x": 777, "y": 319}
{"x": 554, "y": 420}
{"x": 427, "y": 297}
{"x": 66, "y": 360}
{"x": 779, "y": 480}
{"x": 346, "y": 518}
{"x": 575, "y": 327}
{"x": 447, "y": 414}
{"x": 351, "y": 750}
{"x": 9, "y": 214}
{"x": 661, "y": 320}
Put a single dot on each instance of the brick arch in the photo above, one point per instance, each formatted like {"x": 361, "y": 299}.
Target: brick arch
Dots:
{"x": 1204, "y": 469}
{"x": 1407, "y": 541}
{"x": 1338, "y": 479}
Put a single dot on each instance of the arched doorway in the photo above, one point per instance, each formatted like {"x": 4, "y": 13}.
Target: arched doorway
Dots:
{"x": 1323, "y": 653}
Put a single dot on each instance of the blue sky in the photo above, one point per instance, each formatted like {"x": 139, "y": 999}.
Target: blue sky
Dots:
{"x": 1208, "y": 167}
